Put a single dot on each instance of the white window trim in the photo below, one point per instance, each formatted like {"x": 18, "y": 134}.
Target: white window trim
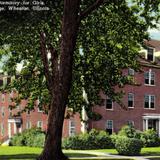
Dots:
{"x": 153, "y": 53}
{"x": 106, "y": 105}
{"x": 150, "y": 71}
{"x": 107, "y": 124}
{"x": 39, "y": 125}
{"x": 150, "y": 102}
{"x": 131, "y": 72}
{"x": 28, "y": 125}
{"x": 72, "y": 127}
{"x": 133, "y": 100}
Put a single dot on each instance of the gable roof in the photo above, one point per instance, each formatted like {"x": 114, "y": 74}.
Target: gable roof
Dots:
{"x": 153, "y": 43}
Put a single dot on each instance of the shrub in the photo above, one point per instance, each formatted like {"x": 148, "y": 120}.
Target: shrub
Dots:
{"x": 150, "y": 138}
{"x": 128, "y": 146}
{"x": 104, "y": 140}
{"x": 39, "y": 140}
{"x": 31, "y": 137}
{"x": 73, "y": 142}
{"x": 129, "y": 131}
{"x": 17, "y": 140}
{"x": 92, "y": 140}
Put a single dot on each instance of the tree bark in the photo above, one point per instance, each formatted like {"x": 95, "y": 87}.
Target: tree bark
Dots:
{"x": 62, "y": 82}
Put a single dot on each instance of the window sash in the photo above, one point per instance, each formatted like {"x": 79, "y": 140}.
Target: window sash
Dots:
{"x": 149, "y": 78}
{"x": 149, "y": 101}
{"x": 109, "y": 124}
{"x": 131, "y": 72}
{"x": 150, "y": 54}
{"x": 72, "y": 128}
{"x": 109, "y": 104}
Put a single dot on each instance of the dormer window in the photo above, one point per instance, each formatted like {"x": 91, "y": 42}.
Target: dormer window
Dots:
{"x": 150, "y": 55}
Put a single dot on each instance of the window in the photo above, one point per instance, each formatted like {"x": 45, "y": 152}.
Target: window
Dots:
{"x": 2, "y": 111}
{"x": 72, "y": 128}
{"x": 109, "y": 104}
{"x": 40, "y": 124}
{"x": 10, "y": 112}
{"x": 150, "y": 54}
{"x": 149, "y": 101}
{"x": 109, "y": 126}
{"x": 28, "y": 125}
{"x": 149, "y": 77}
{"x": 3, "y": 97}
{"x": 130, "y": 100}
{"x": 131, "y": 72}
{"x": 2, "y": 129}
{"x": 130, "y": 123}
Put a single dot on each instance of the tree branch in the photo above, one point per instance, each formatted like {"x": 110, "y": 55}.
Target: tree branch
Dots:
{"x": 45, "y": 61}
{"x": 91, "y": 8}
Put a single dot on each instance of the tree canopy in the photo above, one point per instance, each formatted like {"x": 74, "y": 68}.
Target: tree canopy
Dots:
{"x": 104, "y": 35}
{"x": 108, "y": 41}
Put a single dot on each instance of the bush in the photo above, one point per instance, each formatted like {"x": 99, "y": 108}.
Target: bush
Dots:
{"x": 92, "y": 140}
{"x": 31, "y": 137}
{"x": 39, "y": 140}
{"x": 17, "y": 140}
{"x": 130, "y": 132}
{"x": 128, "y": 146}
{"x": 150, "y": 138}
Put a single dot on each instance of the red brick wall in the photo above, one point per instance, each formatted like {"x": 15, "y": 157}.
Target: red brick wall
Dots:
{"x": 34, "y": 116}
{"x": 121, "y": 116}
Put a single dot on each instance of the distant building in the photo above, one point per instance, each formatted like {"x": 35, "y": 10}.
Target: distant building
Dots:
{"x": 12, "y": 123}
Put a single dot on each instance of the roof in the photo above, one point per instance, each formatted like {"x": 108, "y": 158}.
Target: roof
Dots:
{"x": 153, "y": 43}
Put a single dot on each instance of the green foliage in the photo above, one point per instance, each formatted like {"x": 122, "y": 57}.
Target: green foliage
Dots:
{"x": 92, "y": 140}
{"x": 33, "y": 137}
{"x": 109, "y": 39}
{"x": 128, "y": 146}
{"x": 130, "y": 132}
{"x": 150, "y": 138}
{"x": 17, "y": 140}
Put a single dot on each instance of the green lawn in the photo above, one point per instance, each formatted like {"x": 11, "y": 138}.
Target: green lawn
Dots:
{"x": 28, "y": 153}
{"x": 150, "y": 151}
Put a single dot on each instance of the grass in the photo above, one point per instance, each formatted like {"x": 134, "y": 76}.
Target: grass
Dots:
{"x": 28, "y": 153}
{"x": 149, "y": 151}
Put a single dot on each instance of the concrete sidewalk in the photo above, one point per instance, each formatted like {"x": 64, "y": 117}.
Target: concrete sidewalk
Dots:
{"x": 101, "y": 155}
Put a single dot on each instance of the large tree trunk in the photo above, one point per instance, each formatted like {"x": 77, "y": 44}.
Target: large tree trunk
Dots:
{"x": 62, "y": 83}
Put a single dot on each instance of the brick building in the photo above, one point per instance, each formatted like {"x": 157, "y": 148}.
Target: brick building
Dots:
{"x": 11, "y": 123}
{"x": 142, "y": 101}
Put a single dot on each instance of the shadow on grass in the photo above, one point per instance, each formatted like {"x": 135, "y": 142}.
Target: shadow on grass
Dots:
{"x": 80, "y": 155}
{"x": 152, "y": 153}
{"x": 19, "y": 157}
{"x": 34, "y": 156}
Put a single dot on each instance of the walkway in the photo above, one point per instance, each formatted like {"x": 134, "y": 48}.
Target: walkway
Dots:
{"x": 101, "y": 155}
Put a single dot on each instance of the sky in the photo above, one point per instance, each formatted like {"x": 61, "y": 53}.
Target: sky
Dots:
{"x": 155, "y": 33}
